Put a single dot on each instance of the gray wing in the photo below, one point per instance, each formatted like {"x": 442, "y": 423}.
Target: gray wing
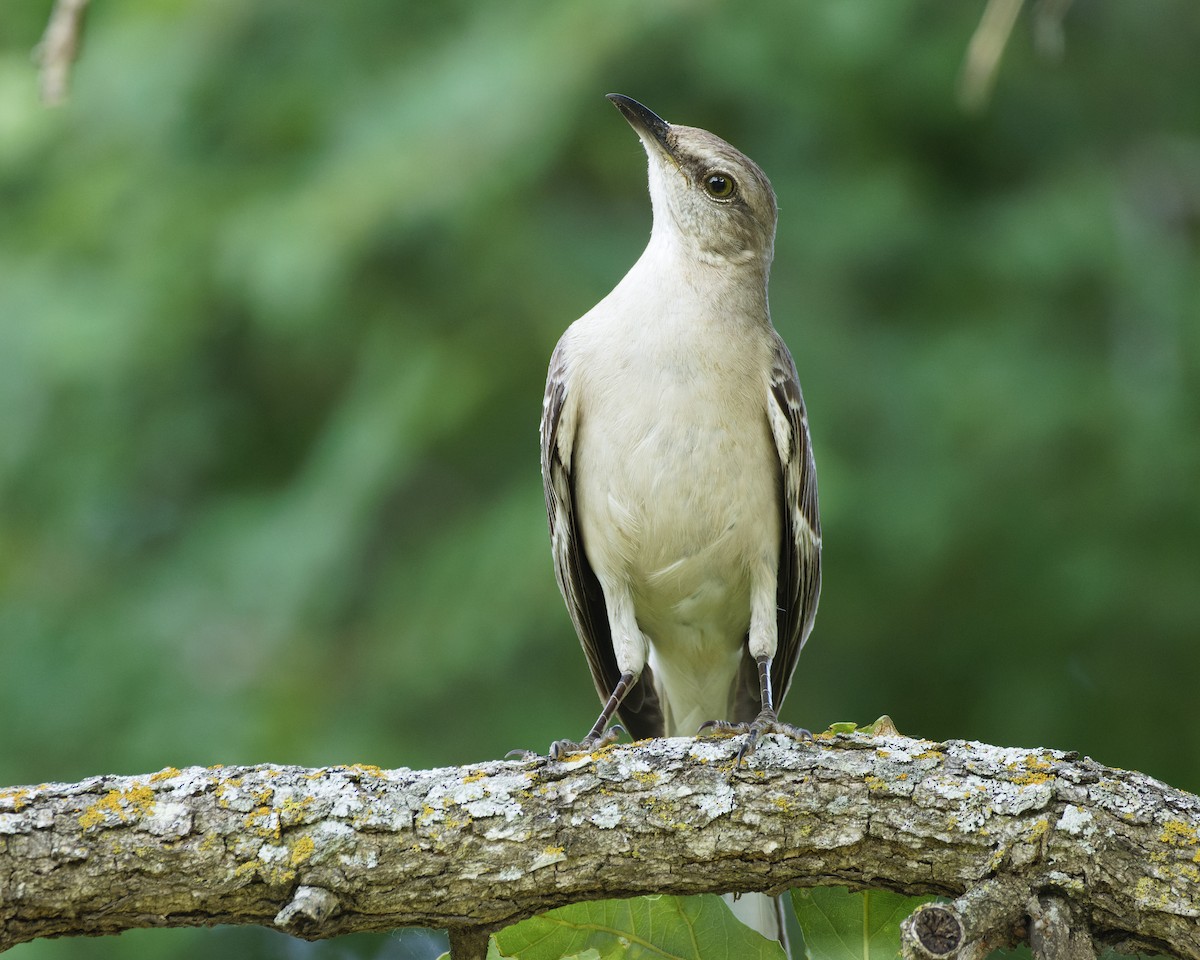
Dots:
{"x": 640, "y": 711}
{"x": 800, "y": 547}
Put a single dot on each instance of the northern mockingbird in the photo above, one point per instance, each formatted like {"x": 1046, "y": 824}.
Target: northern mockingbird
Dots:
{"x": 678, "y": 472}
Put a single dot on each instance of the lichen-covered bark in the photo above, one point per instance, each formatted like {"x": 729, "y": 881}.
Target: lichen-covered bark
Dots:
{"x": 328, "y": 851}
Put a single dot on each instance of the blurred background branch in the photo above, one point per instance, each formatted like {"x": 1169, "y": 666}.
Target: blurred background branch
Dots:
{"x": 58, "y": 48}
{"x": 986, "y": 48}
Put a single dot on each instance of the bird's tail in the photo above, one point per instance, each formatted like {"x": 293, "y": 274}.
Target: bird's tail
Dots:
{"x": 763, "y": 913}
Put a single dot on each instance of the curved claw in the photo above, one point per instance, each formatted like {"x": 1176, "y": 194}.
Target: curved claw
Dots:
{"x": 769, "y": 723}
{"x": 560, "y": 749}
{"x": 765, "y": 722}
{"x": 521, "y": 754}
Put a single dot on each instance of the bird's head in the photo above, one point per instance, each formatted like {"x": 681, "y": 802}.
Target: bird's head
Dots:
{"x": 708, "y": 197}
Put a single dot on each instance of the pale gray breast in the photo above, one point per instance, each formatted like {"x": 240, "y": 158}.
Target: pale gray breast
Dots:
{"x": 677, "y": 483}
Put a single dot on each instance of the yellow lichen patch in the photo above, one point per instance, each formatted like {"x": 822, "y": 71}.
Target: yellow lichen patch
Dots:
{"x": 881, "y": 752}
{"x": 294, "y": 809}
{"x": 902, "y": 776}
{"x": 219, "y": 786}
{"x": 166, "y": 773}
{"x": 930, "y": 755}
{"x": 874, "y": 783}
{"x": 249, "y": 868}
{"x": 367, "y": 768}
{"x": 1178, "y": 834}
{"x": 1151, "y": 892}
{"x": 302, "y": 850}
{"x": 427, "y": 815}
{"x": 141, "y": 798}
{"x": 647, "y": 777}
{"x": 475, "y": 777}
{"x": 783, "y": 803}
{"x": 137, "y": 801}
{"x": 263, "y": 796}
{"x": 263, "y": 822}
{"x": 1039, "y": 829}
{"x": 91, "y": 817}
{"x": 1035, "y": 771}
{"x": 15, "y": 798}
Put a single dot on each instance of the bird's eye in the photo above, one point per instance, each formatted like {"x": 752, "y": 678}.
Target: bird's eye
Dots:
{"x": 719, "y": 186}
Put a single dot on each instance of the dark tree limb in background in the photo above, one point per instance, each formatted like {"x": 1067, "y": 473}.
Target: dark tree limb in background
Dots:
{"x": 1030, "y": 843}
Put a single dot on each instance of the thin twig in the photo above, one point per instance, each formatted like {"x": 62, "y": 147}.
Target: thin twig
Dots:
{"x": 984, "y": 52}
{"x": 57, "y": 49}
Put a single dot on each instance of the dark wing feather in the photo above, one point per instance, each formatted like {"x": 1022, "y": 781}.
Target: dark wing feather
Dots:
{"x": 800, "y": 550}
{"x": 640, "y": 712}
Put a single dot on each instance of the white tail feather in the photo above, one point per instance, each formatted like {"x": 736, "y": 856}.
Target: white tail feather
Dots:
{"x": 762, "y": 913}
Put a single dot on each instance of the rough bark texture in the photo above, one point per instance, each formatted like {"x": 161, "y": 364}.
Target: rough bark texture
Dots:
{"x": 1032, "y": 843}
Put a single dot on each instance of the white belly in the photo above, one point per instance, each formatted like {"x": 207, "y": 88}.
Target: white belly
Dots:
{"x": 677, "y": 494}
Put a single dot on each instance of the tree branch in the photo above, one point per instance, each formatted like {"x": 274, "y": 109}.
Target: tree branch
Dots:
{"x": 1030, "y": 842}
{"x": 58, "y": 47}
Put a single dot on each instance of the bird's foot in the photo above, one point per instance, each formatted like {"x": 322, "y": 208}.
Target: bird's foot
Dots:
{"x": 561, "y": 749}
{"x": 765, "y": 722}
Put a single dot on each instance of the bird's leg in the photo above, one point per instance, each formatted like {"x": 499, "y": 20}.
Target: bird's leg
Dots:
{"x": 598, "y": 736}
{"x": 767, "y": 720}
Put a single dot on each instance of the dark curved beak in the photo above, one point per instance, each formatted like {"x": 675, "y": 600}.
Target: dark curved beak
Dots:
{"x": 648, "y": 124}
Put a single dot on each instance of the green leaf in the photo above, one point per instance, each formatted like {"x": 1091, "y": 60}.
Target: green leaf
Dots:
{"x": 687, "y": 928}
{"x": 840, "y": 925}
{"x": 883, "y": 727}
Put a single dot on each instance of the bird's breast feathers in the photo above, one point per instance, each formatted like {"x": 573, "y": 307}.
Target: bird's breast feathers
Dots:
{"x": 674, "y": 494}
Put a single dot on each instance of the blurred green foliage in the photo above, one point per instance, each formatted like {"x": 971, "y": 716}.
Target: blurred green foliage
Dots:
{"x": 643, "y": 928}
{"x": 279, "y": 284}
